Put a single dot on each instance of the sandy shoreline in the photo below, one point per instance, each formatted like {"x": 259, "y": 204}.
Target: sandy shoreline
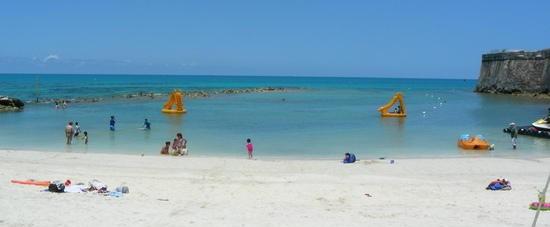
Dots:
{"x": 210, "y": 191}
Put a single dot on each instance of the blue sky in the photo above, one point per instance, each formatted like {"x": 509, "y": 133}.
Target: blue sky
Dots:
{"x": 442, "y": 39}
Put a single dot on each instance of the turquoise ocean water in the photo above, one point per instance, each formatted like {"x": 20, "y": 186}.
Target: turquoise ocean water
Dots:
{"x": 328, "y": 117}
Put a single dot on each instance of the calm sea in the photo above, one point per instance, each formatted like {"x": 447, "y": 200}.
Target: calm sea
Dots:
{"x": 329, "y": 117}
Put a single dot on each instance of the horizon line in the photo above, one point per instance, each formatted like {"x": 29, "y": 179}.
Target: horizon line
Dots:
{"x": 231, "y": 75}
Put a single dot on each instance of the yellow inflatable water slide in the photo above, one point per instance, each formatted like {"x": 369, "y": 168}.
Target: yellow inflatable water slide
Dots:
{"x": 400, "y": 110}
{"x": 175, "y": 98}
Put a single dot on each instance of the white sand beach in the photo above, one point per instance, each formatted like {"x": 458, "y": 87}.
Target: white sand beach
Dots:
{"x": 203, "y": 191}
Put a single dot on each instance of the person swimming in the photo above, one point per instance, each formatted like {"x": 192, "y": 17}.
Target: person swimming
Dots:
{"x": 147, "y": 124}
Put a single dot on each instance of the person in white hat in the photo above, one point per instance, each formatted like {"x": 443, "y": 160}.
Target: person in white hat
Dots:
{"x": 514, "y": 134}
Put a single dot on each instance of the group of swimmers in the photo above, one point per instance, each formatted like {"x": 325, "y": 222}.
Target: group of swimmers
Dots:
{"x": 74, "y": 131}
{"x": 178, "y": 147}
{"x": 112, "y": 123}
{"x": 61, "y": 104}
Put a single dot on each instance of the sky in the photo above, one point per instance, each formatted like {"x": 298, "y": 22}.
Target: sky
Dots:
{"x": 423, "y": 39}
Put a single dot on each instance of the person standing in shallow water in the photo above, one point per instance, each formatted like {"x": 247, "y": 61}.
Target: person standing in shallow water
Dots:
{"x": 69, "y": 132}
{"x": 249, "y": 148}
{"x": 85, "y": 137}
{"x": 514, "y": 134}
{"x": 146, "y": 124}
{"x": 76, "y": 129}
{"x": 112, "y": 123}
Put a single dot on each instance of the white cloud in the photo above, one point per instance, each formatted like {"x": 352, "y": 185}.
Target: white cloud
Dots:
{"x": 51, "y": 57}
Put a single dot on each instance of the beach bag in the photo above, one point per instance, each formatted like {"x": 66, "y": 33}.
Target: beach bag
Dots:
{"x": 352, "y": 158}
{"x": 123, "y": 189}
{"x": 496, "y": 186}
{"x": 56, "y": 186}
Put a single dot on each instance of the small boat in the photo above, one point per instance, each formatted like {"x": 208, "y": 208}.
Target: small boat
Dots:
{"x": 542, "y": 124}
{"x": 468, "y": 142}
{"x": 539, "y": 128}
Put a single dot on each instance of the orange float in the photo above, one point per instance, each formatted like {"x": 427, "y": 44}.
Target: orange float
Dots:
{"x": 473, "y": 143}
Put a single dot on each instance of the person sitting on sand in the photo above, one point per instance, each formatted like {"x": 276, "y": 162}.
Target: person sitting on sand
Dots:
{"x": 349, "y": 158}
{"x": 69, "y": 132}
{"x": 180, "y": 145}
{"x": 166, "y": 149}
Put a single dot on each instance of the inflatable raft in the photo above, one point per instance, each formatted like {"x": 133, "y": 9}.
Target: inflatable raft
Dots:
{"x": 468, "y": 142}
{"x": 400, "y": 112}
{"x": 175, "y": 98}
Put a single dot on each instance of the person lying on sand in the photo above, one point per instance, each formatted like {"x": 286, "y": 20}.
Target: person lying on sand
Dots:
{"x": 499, "y": 185}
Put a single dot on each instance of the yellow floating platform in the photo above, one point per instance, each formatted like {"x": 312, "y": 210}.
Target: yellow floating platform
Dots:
{"x": 401, "y": 111}
{"x": 175, "y": 98}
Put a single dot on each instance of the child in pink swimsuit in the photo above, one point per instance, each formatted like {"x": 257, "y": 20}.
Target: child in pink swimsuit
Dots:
{"x": 249, "y": 148}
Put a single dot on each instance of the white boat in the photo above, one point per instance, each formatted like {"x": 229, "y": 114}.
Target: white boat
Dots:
{"x": 542, "y": 124}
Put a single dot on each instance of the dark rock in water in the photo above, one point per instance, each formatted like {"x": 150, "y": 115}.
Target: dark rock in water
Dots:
{"x": 10, "y": 104}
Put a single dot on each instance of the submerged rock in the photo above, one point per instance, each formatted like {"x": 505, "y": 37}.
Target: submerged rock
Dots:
{"x": 8, "y": 104}
{"x": 189, "y": 94}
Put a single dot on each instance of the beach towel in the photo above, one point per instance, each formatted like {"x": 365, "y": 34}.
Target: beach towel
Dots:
{"x": 98, "y": 185}
{"x": 76, "y": 188}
